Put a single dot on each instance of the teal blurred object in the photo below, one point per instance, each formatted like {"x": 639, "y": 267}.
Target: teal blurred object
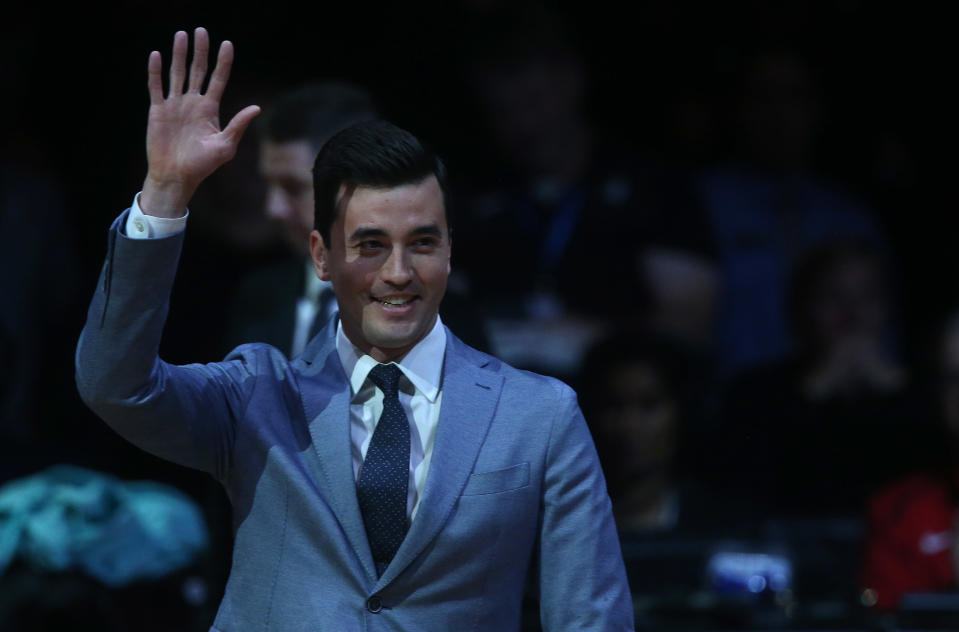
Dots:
{"x": 70, "y": 518}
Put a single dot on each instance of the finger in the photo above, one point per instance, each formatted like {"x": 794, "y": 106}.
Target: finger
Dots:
{"x": 178, "y": 63}
{"x": 221, "y": 74}
{"x": 201, "y": 52}
{"x": 238, "y": 124}
{"x": 155, "y": 79}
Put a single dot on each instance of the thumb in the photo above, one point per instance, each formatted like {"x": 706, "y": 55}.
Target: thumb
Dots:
{"x": 238, "y": 124}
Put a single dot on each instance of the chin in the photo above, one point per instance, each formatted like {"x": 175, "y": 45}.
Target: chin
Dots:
{"x": 393, "y": 340}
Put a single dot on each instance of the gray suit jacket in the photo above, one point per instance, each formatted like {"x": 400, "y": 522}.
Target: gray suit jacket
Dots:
{"x": 514, "y": 480}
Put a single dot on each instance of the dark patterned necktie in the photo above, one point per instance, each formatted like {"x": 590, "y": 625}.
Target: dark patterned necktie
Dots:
{"x": 384, "y": 479}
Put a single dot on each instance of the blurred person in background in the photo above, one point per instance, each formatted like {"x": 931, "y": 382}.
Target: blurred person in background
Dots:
{"x": 641, "y": 393}
{"x": 913, "y": 539}
{"x": 814, "y": 434}
{"x": 284, "y": 304}
{"x": 575, "y": 215}
{"x": 769, "y": 207}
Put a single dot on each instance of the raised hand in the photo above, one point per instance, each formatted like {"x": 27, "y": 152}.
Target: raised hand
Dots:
{"x": 184, "y": 141}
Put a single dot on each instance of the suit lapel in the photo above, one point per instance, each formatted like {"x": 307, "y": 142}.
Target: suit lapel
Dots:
{"x": 325, "y": 391}
{"x": 470, "y": 396}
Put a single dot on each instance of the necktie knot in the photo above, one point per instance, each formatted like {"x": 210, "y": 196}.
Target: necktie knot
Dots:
{"x": 387, "y": 378}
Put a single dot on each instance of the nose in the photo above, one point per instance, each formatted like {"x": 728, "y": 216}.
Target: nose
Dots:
{"x": 277, "y": 204}
{"x": 396, "y": 269}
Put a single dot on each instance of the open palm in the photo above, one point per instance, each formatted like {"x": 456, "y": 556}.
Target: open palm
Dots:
{"x": 184, "y": 141}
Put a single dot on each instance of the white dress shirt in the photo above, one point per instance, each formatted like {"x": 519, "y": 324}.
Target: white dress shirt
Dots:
{"x": 420, "y": 395}
{"x": 142, "y": 226}
{"x": 420, "y": 388}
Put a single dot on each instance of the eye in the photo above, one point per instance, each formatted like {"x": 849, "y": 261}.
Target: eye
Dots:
{"x": 369, "y": 246}
{"x": 424, "y": 244}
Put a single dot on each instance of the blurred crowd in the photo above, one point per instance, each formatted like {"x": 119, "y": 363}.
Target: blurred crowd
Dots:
{"x": 740, "y": 276}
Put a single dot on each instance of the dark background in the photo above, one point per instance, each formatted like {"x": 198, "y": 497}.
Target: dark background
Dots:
{"x": 75, "y": 97}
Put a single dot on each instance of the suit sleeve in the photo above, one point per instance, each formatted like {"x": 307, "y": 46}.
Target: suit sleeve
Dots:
{"x": 184, "y": 414}
{"x": 582, "y": 579}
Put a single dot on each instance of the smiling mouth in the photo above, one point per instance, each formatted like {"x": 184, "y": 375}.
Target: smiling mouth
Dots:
{"x": 395, "y": 301}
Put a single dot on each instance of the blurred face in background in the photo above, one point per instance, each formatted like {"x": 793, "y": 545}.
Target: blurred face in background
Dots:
{"x": 287, "y": 169}
{"x": 849, "y": 304}
{"x": 533, "y": 107}
{"x": 639, "y": 420}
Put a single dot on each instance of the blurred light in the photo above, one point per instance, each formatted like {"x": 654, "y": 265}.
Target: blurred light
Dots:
{"x": 869, "y": 598}
{"x": 194, "y": 591}
{"x": 756, "y": 584}
{"x": 750, "y": 572}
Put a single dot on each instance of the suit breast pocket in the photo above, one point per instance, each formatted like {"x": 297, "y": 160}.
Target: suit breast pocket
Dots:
{"x": 497, "y": 481}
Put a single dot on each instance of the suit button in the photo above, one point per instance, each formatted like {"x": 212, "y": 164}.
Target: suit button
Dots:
{"x": 374, "y": 604}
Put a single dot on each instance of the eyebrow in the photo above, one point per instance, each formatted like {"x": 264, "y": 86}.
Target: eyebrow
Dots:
{"x": 366, "y": 233}
{"x": 372, "y": 231}
{"x": 429, "y": 229}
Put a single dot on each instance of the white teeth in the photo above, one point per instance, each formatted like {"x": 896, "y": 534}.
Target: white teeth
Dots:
{"x": 394, "y": 302}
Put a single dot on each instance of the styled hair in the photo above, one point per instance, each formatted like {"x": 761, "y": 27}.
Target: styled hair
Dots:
{"x": 314, "y": 112}
{"x": 374, "y": 154}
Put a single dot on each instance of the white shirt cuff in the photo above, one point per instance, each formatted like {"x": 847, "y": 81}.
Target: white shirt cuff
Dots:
{"x": 142, "y": 226}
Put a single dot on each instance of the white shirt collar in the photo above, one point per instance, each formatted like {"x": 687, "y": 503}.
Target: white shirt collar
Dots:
{"x": 422, "y": 365}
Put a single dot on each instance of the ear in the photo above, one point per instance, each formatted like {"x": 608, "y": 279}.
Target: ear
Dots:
{"x": 319, "y": 253}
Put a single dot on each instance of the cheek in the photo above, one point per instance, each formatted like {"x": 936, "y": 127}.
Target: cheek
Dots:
{"x": 355, "y": 275}
{"x": 436, "y": 272}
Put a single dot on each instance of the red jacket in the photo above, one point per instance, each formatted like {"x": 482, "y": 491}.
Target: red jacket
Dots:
{"x": 909, "y": 547}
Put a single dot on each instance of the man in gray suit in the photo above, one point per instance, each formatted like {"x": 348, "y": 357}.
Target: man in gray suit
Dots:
{"x": 388, "y": 478}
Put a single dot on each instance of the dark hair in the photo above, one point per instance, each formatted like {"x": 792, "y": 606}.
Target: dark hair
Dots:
{"x": 314, "y": 112}
{"x": 372, "y": 154}
{"x": 633, "y": 347}
{"x": 682, "y": 373}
